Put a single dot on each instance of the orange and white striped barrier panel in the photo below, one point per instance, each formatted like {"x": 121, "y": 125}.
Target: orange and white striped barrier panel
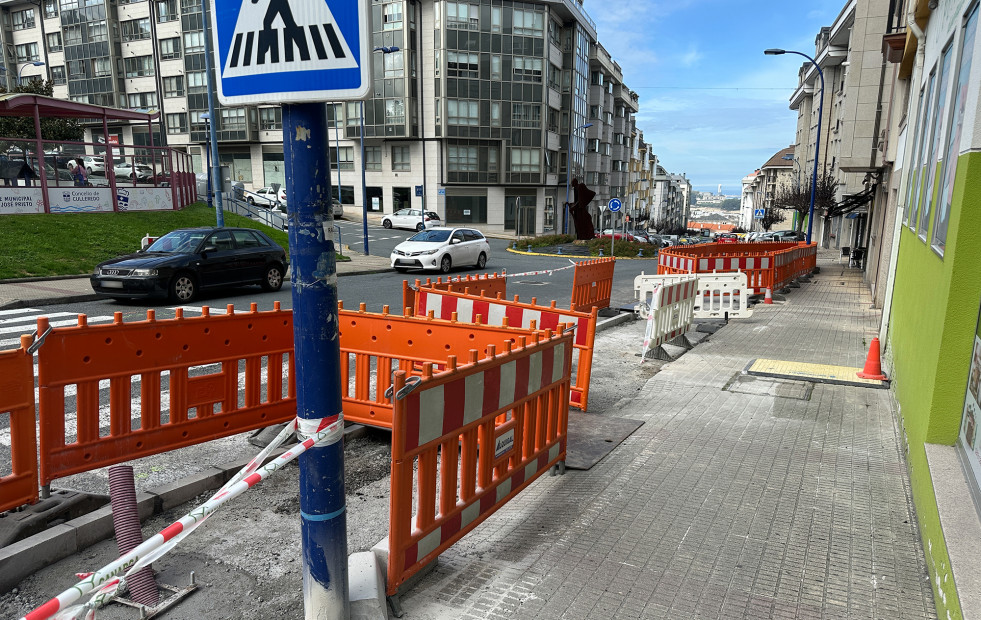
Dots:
{"x": 479, "y": 433}
{"x": 671, "y": 308}
{"x": 20, "y": 486}
{"x": 526, "y": 316}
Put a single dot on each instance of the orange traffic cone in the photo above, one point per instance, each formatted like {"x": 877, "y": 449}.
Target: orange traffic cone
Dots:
{"x": 769, "y": 297}
{"x": 873, "y": 367}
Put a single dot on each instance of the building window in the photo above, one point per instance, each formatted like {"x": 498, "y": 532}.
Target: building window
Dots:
{"x": 529, "y": 23}
{"x": 197, "y": 82}
{"x": 394, "y": 112}
{"x": 526, "y": 115}
{"x": 343, "y": 157}
{"x": 334, "y": 115}
{"x": 233, "y": 118}
{"x": 139, "y": 66}
{"x": 461, "y": 158}
{"x": 73, "y": 35}
{"x": 135, "y": 29}
{"x": 594, "y": 145}
{"x": 372, "y": 158}
{"x": 167, "y": 11}
{"x": 50, "y": 8}
{"x": 54, "y": 41}
{"x": 937, "y": 130}
{"x": 462, "y": 15}
{"x": 497, "y": 18}
{"x": 22, "y": 20}
{"x": 141, "y": 101}
{"x": 170, "y": 48}
{"x": 58, "y": 75}
{"x": 394, "y": 65}
{"x": 400, "y": 158}
{"x": 173, "y": 86}
{"x": 76, "y": 69}
{"x": 462, "y": 64}
{"x": 525, "y": 160}
{"x": 26, "y": 52}
{"x": 463, "y": 112}
{"x": 608, "y": 118}
{"x": 271, "y": 119}
{"x": 596, "y": 78}
{"x": 495, "y": 113}
{"x": 352, "y": 114}
{"x": 392, "y": 16}
{"x": 495, "y": 67}
{"x": 97, "y": 31}
{"x": 527, "y": 69}
{"x": 101, "y": 67}
{"x": 194, "y": 42}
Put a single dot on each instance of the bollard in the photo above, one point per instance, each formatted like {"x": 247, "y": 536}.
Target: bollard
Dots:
{"x": 514, "y": 245}
{"x": 529, "y": 247}
{"x": 640, "y": 253}
{"x": 601, "y": 251}
{"x": 558, "y": 249}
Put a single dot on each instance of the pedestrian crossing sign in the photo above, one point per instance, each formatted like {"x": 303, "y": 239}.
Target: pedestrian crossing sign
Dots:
{"x": 290, "y": 51}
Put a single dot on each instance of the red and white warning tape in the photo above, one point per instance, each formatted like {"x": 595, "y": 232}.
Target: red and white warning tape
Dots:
{"x": 540, "y": 272}
{"x": 107, "y": 581}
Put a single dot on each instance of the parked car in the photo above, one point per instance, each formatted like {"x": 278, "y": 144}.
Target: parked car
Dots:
{"x": 337, "y": 209}
{"x": 442, "y": 249}
{"x": 788, "y": 235}
{"x": 94, "y": 163}
{"x": 185, "y": 261}
{"x": 266, "y": 197}
{"x": 411, "y": 219}
{"x": 128, "y": 170}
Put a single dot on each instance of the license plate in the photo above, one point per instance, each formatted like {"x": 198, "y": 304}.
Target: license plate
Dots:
{"x": 112, "y": 284}
{"x": 401, "y": 261}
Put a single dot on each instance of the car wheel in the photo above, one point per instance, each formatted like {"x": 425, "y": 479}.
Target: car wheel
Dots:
{"x": 445, "y": 264}
{"x": 387, "y": 223}
{"x": 182, "y": 288}
{"x": 420, "y": 227}
{"x": 90, "y": 170}
{"x": 250, "y": 200}
{"x": 274, "y": 278}
{"x": 481, "y": 261}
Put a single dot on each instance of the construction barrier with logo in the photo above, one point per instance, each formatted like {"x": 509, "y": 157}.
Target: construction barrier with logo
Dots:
{"x": 766, "y": 265}
{"x": 19, "y": 486}
{"x": 671, "y": 309}
{"x": 474, "y": 436}
{"x": 592, "y": 284}
{"x": 718, "y": 296}
{"x": 468, "y": 308}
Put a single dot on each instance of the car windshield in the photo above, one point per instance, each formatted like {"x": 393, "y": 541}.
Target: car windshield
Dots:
{"x": 433, "y": 236}
{"x": 178, "y": 242}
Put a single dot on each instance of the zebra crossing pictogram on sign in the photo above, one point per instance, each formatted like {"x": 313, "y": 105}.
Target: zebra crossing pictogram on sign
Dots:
{"x": 279, "y": 51}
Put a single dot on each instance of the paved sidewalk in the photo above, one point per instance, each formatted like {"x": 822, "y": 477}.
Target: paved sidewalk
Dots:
{"x": 48, "y": 291}
{"x": 739, "y": 497}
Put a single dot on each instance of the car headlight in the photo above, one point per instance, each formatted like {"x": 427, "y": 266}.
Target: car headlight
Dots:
{"x": 424, "y": 252}
{"x": 398, "y": 252}
{"x": 143, "y": 273}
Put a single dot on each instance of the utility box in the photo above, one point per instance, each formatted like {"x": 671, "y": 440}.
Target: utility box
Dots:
{"x": 226, "y": 179}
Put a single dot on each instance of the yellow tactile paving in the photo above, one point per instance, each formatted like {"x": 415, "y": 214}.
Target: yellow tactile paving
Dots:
{"x": 822, "y": 373}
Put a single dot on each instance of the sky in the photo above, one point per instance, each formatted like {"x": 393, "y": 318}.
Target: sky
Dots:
{"x": 711, "y": 104}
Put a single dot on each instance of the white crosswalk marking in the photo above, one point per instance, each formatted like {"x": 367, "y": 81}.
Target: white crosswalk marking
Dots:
{"x": 28, "y": 323}
{"x": 17, "y": 311}
{"x": 21, "y": 319}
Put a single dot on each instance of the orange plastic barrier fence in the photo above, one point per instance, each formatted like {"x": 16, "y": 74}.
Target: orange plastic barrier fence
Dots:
{"x": 480, "y": 433}
{"x": 20, "y": 486}
{"x": 206, "y": 399}
{"x": 766, "y": 265}
{"x": 527, "y": 315}
{"x": 485, "y": 284}
{"x": 592, "y": 284}
{"x": 375, "y": 345}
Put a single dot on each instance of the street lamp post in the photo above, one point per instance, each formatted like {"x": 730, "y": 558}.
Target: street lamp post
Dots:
{"x": 207, "y": 128}
{"x": 817, "y": 141}
{"x": 20, "y": 72}
{"x": 213, "y": 129}
{"x": 568, "y": 173}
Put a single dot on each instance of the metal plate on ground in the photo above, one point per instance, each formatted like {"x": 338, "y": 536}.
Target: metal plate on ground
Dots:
{"x": 819, "y": 373}
{"x": 780, "y": 388}
{"x": 591, "y": 437}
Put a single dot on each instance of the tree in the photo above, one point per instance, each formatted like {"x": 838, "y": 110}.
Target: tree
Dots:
{"x": 738, "y": 229}
{"x": 798, "y": 198}
{"x": 661, "y": 225}
{"x": 730, "y": 204}
{"x": 54, "y": 129}
{"x": 772, "y": 216}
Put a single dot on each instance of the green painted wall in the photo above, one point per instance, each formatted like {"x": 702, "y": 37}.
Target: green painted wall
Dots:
{"x": 934, "y": 315}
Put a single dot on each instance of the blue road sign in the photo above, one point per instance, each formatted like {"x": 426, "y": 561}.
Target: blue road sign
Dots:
{"x": 759, "y": 214}
{"x": 615, "y": 204}
{"x": 290, "y": 51}
{"x": 418, "y": 190}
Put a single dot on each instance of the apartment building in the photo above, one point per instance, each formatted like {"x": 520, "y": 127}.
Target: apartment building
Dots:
{"x": 482, "y": 106}
{"x": 747, "y": 201}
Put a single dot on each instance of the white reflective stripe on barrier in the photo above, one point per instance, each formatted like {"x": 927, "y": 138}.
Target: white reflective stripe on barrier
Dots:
{"x": 718, "y": 294}
{"x": 671, "y": 310}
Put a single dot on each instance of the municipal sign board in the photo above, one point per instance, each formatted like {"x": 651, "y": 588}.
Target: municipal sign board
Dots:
{"x": 418, "y": 190}
{"x": 290, "y": 51}
{"x": 615, "y": 204}
{"x": 759, "y": 214}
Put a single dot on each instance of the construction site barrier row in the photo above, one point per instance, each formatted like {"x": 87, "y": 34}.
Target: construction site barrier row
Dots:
{"x": 671, "y": 309}
{"x": 718, "y": 295}
{"x": 475, "y": 435}
{"x": 592, "y": 284}
{"x": 766, "y": 265}
{"x": 485, "y": 284}
{"x": 470, "y": 308}
{"x": 19, "y": 487}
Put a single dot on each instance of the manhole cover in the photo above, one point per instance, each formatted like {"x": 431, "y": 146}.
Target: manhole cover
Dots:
{"x": 531, "y": 282}
{"x": 782, "y": 388}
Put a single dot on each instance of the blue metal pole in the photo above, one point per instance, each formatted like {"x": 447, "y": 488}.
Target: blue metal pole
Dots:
{"x": 212, "y": 130}
{"x": 317, "y": 354}
{"x": 211, "y": 204}
{"x": 817, "y": 150}
{"x": 364, "y": 189}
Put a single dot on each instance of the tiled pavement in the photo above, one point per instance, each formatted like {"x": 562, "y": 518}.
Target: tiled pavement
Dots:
{"x": 739, "y": 497}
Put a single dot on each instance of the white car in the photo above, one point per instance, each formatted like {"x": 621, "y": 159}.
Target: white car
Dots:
{"x": 129, "y": 170}
{"x": 442, "y": 249}
{"x": 411, "y": 219}
{"x": 266, "y": 197}
{"x": 93, "y": 163}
